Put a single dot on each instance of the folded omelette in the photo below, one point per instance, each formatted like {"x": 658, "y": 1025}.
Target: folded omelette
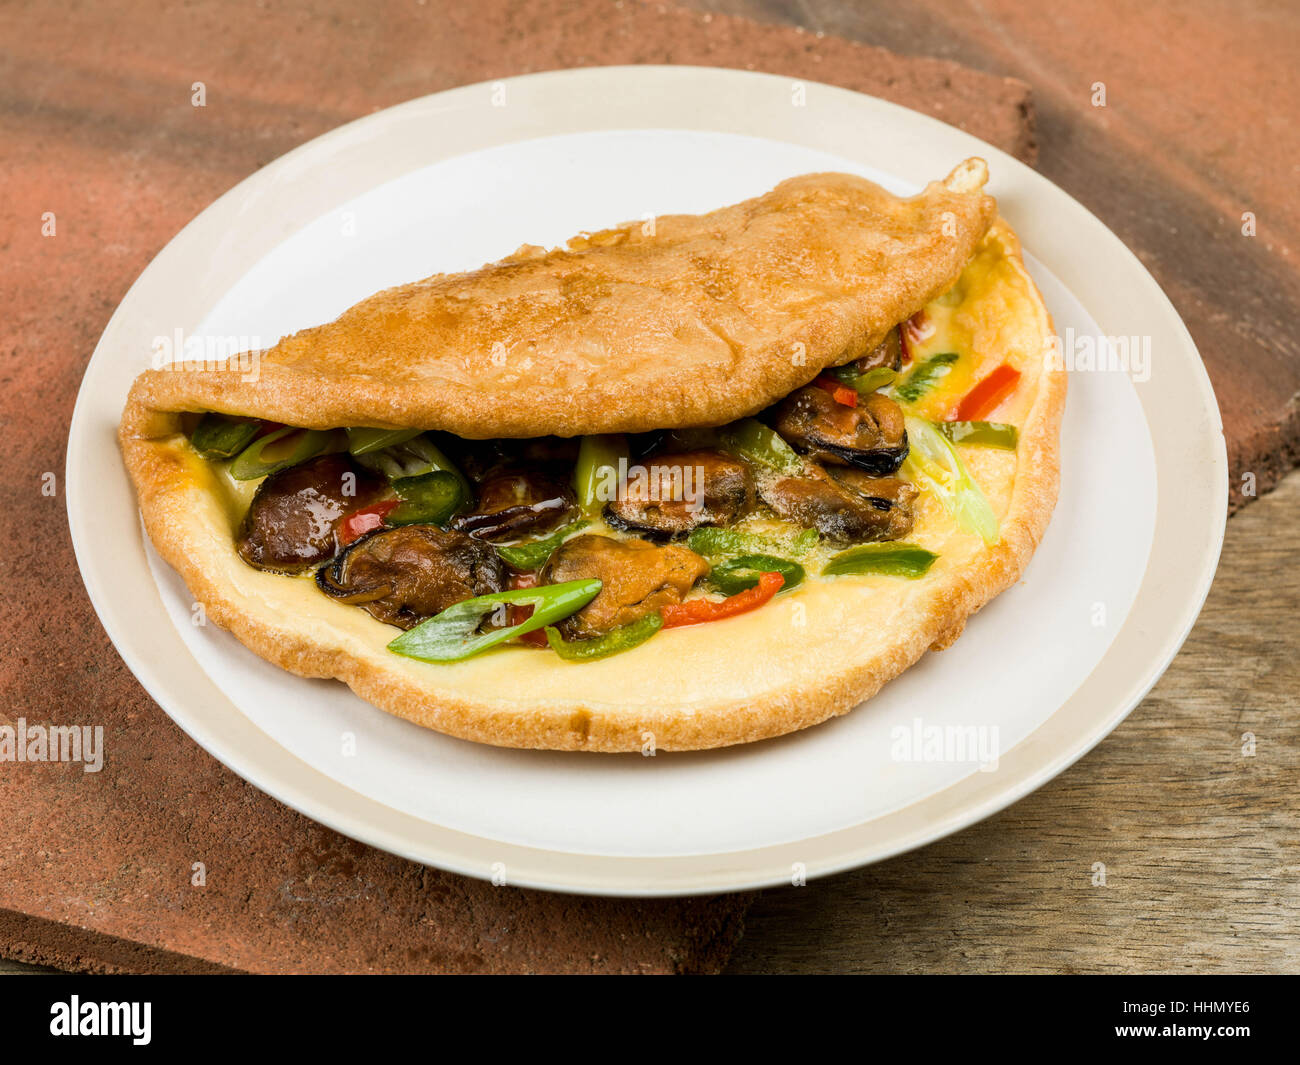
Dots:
{"x": 682, "y": 483}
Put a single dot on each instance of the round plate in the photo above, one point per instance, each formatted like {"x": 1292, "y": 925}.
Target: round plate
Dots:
{"x": 456, "y": 179}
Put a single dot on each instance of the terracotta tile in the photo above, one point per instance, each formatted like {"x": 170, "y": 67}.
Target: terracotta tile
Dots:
{"x": 95, "y": 868}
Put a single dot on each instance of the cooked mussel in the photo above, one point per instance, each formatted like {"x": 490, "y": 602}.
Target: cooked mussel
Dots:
{"x": 888, "y": 354}
{"x": 480, "y": 460}
{"x": 670, "y": 493}
{"x": 404, "y": 575}
{"x": 638, "y": 579}
{"x": 870, "y": 436}
{"x": 843, "y": 504}
{"x": 518, "y": 502}
{"x": 292, "y": 521}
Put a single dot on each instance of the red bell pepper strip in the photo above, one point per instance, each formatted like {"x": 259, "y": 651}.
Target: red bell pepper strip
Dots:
{"x": 987, "y": 395}
{"x": 362, "y": 521}
{"x": 915, "y": 330}
{"x": 698, "y": 611}
{"x": 843, "y": 394}
{"x": 517, "y": 614}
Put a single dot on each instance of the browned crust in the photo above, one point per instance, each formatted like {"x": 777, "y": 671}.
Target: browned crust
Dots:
{"x": 703, "y": 320}
{"x": 804, "y": 675}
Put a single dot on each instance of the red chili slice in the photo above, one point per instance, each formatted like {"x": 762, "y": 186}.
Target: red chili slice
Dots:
{"x": 915, "y": 330}
{"x": 842, "y": 393}
{"x": 517, "y": 613}
{"x": 362, "y": 521}
{"x": 987, "y": 395}
{"x": 698, "y": 611}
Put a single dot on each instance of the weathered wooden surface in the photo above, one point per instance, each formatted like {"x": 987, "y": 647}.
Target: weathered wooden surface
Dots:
{"x": 1201, "y": 843}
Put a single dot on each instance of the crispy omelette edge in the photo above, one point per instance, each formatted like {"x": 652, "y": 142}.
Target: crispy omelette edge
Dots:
{"x": 613, "y": 400}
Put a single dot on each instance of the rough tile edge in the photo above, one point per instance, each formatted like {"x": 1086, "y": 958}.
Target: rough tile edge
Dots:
{"x": 39, "y": 941}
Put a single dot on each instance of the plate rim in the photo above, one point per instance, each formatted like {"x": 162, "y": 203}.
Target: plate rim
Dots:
{"x": 284, "y": 776}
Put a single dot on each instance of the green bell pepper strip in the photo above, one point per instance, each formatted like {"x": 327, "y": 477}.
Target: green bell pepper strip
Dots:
{"x": 736, "y": 574}
{"x": 410, "y": 458}
{"x": 452, "y": 636}
{"x": 712, "y": 541}
{"x": 933, "y": 463}
{"x": 362, "y": 440}
{"x": 424, "y": 479}
{"x": 893, "y": 560}
{"x": 751, "y": 439}
{"x": 533, "y": 554}
{"x": 221, "y": 436}
{"x": 925, "y": 376}
{"x": 252, "y": 462}
{"x": 873, "y": 379}
{"x": 981, "y": 434}
{"x": 427, "y": 499}
{"x": 595, "y": 477}
{"x": 623, "y": 638}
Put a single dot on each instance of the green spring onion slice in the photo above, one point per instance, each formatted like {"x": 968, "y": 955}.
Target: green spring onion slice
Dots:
{"x": 933, "y": 463}
{"x": 875, "y": 378}
{"x": 409, "y": 458}
{"x": 595, "y": 478}
{"x": 893, "y": 560}
{"x": 751, "y": 439}
{"x": 711, "y": 541}
{"x": 453, "y": 635}
{"x": 363, "y": 440}
{"x": 925, "y": 376}
{"x": 736, "y": 574}
{"x": 533, "y": 554}
{"x": 220, "y": 436}
{"x": 278, "y": 451}
{"x": 981, "y": 434}
{"x": 623, "y": 638}
{"x": 805, "y": 542}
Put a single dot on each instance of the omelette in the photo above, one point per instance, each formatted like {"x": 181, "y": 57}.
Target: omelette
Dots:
{"x": 683, "y": 483}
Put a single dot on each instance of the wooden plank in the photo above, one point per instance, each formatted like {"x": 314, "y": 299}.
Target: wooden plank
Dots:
{"x": 1198, "y": 839}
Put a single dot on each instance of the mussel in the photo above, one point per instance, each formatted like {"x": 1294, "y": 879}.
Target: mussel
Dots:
{"x": 670, "y": 493}
{"x": 293, "y": 519}
{"x": 517, "y": 502}
{"x": 843, "y": 504}
{"x": 404, "y": 575}
{"x": 639, "y": 579}
{"x": 870, "y": 436}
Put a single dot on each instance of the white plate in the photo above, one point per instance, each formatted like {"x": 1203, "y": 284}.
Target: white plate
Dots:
{"x": 463, "y": 177}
